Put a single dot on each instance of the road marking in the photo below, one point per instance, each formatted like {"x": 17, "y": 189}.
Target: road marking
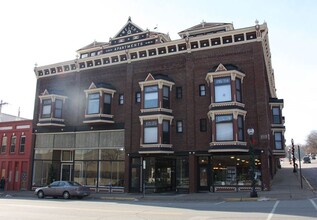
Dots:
{"x": 273, "y": 210}
{"x": 218, "y": 203}
{"x": 314, "y": 204}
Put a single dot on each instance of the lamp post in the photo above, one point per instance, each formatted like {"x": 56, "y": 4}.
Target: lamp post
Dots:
{"x": 253, "y": 192}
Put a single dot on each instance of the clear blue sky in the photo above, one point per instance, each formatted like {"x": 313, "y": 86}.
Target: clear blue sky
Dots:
{"x": 47, "y": 32}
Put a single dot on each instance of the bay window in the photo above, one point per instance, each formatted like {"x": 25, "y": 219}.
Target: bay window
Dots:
{"x": 99, "y": 103}
{"x": 51, "y": 109}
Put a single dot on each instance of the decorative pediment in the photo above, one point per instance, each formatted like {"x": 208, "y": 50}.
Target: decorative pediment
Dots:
{"x": 149, "y": 77}
{"x": 221, "y": 68}
{"x": 92, "y": 86}
{"x": 128, "y": 29}
{"x": 45, "y": 92}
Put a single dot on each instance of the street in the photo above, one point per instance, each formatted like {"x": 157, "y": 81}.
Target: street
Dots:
{"x": 309, "y": 171}
{"x": 52, "y": 209}
{"x": 15, "y": 207}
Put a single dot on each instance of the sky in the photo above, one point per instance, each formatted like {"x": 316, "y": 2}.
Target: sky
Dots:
{"x": 46, "y": 32}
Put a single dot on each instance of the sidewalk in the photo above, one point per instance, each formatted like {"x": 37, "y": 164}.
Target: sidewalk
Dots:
{"x": 285, "y": 185}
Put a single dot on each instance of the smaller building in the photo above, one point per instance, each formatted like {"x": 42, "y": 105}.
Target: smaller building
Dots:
{"x": 15, "y": 152}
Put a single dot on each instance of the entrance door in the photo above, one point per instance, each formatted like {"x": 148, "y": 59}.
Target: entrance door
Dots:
{"x": 67, "y": 171}
{"x": 203, "y": 173}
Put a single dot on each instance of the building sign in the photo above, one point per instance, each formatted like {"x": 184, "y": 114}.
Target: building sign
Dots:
{"x": 129, "y": 46}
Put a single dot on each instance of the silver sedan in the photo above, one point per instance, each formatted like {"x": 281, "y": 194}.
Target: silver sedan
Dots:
{"x": 65, "y": 189}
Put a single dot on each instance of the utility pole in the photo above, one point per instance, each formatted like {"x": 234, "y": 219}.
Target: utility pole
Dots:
{"x": 1, "y": 104}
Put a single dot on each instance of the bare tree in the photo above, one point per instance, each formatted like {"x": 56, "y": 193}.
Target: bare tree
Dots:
{"x": 311, "y": 142}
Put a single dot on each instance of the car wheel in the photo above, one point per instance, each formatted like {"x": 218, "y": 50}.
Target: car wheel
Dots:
{"x": 66, "y": 195}
{"x": 40, "y": 194}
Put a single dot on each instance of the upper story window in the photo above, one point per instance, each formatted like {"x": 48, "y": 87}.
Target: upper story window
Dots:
{"x": 22, "y": 144}
{"x": 166, "y": 132}
{"x": 278, "y": 140}
{"x": 156, "y": 92}
{"x": 166, "y": 97}
{"x": 238, "y": 90}
{"x": 150, "y": 132}
{"x": 179, "y": 92}
{"x": 99, "y": 103}
{"x": 93, "y": 103}
{"x": 151, "y": 97}
{"x": 276, "y": 115}
{"x": 4, "y": 144}
{"x": 46, "y": 108}
{"x": 203, "y": 124}
{"x": 51, "y": 111}
{"x": 224, "y": 128}
{"x": 223, "y": 89}
{"x": 226, "y": 84}
{"x": 179, "y": 126}
{"x": 121, "y": 99}
{"x": 58, "y": 108}
{"x": 138, "y": 97}
{"x": 229, "y": 125}
{"x": 13, "y": 143}
{"x": 240, "y": 128}
{"x": 202, "y": 90}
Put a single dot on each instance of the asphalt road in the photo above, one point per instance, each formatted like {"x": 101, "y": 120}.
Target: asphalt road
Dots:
{"x": 59, "y": 209}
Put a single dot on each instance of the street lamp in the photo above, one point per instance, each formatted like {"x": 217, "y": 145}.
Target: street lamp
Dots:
{"x": 253, "y": 192}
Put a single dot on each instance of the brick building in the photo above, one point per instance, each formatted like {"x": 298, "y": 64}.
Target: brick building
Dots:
{"x": 172, "y": 114}
{"x": 16, "y": 152}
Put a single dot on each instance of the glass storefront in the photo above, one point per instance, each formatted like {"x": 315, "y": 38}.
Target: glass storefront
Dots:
{"x": 234, "y": 170}
{"x": 91, "y": 167}
{"x": 223, "y": 171}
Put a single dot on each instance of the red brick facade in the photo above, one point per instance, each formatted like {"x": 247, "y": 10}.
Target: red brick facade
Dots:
{"x": 187, "y": 70}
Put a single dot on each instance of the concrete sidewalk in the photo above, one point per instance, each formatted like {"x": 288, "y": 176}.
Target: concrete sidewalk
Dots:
{"x": 285, "y": 185}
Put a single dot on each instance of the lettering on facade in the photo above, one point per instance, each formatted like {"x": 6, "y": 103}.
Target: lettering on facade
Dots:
{"x": 129, "y": 46}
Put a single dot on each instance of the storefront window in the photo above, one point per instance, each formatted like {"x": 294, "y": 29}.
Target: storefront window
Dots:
{"x": 43, "y": 154}
{"x": 182, "y": 173}
{"x": 85, "y": 172}
{"x": 86, "y": 154}
{"x": 234, "y": 170}
{"x": 41, "y": 173}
